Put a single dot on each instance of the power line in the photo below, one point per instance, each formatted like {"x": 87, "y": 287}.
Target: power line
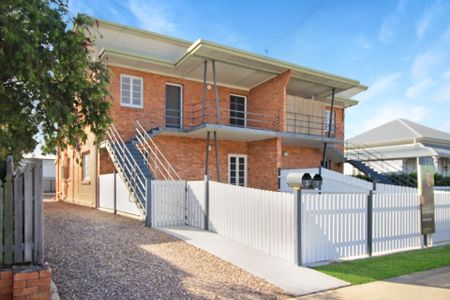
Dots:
{"x": 303, "y": 20}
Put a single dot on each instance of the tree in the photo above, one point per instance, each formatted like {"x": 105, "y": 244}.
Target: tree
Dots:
{"x": 48, "y": 82}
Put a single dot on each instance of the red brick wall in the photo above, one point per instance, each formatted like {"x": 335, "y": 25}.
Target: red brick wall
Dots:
{"x": 187, "y": 156}
{"x": 154, "y": 101}
{"x": 270, "y": 98}
{"x": 300, "y": 157}
{"x": 25, "y": 282}
{"x": 263, "y": 163}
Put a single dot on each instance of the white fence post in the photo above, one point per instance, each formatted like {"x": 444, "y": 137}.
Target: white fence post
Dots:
{"x": 298, "y": 219}
{"x": 369, "y": 222}
{"x": 206, "y": 202}
{"x": 148, "y": 202}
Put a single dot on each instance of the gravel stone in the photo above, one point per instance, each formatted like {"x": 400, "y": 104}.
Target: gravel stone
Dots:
{"x": 97, "y": 255}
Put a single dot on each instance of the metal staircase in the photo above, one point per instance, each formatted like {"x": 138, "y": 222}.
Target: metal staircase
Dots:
{"x": 138, "y": 162}
{"x": 370, "y": 172}
{"x": 130, "y": 168}
{"x": 358, "y": 155}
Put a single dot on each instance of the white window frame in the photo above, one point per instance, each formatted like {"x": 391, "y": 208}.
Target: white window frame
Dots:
{"x": 181, "y": 100}
{"x": 237, "y": 156}
{"x": 131, "y": 77}
{"x": 85, "y": 168}
{"x": 245, "y": 107}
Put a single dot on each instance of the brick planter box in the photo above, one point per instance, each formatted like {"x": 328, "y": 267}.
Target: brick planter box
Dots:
{"x": 25, "y": 282}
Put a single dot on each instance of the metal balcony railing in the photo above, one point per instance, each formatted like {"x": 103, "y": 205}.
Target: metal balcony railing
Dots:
{"x": 194, "y": 115}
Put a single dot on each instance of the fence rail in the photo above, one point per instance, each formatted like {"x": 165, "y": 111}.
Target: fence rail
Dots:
{"x": 332, "y": 226}
{"x": 21, "y": 214}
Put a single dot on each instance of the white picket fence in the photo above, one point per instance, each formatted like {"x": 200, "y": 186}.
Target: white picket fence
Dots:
{"x": 195, "y": 204}
{"x": 396, "y": 222}
{"x": 442, "y": 216}
{"x": 263, "y": 220}
{"x": 389, "y": 188}
{"x": 168, "y": 203}
{"x": 334, "y": 226}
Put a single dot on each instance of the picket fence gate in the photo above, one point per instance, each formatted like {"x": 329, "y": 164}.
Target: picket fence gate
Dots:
{"x": 21, "y": 214}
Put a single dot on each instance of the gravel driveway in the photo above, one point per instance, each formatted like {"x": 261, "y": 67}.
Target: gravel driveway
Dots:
{"x": 96, "y": 255}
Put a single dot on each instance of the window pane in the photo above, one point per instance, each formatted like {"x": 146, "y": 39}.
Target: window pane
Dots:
{"x": 126, "y": 90}
{"x": 125, "y": 97}
{"x": 241, "y": 160}
{"x": 136, "y": 97}
{"x": 85, "y": 167}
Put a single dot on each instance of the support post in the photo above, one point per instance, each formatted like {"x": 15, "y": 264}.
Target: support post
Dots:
{"x": 298, "y": 217}
{"x": 207, "y": 153}
{"x": 148, "y": 202}
{"x": 38, "y": 213}
{"x": 115, "y": 192}
{"x": 216, "y": 93}
{"x": 217, "y": 156}
{"x": 206, "y": 202}
{"x": 369, "y": 222}
{"x": 330, "y": 126}
{"x": 205, "y": 70}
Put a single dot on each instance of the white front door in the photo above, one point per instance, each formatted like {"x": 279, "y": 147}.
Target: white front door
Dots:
{"x": 237, "y": 169}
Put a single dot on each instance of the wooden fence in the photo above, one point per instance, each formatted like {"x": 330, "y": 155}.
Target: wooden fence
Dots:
{"x": 21, "y": 214}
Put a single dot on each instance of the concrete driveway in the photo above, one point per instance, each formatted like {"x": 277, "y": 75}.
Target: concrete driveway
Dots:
{"x": 434, "y": 284}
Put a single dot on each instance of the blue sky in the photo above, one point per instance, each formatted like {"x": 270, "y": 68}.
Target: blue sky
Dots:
{"x": 400, "y": 49}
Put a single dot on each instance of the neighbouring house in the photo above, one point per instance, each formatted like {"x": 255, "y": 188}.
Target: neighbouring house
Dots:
{"x": 48, "y": 171}
{"x": 395, "y": 147}
{"x": 182, "y": 109}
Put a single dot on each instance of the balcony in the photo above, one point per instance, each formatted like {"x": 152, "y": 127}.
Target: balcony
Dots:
{"x": 235, "y": 124}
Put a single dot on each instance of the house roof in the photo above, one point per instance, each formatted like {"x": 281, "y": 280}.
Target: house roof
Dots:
{"x": 134, "y": 48}
{"x": 400, "y": 131}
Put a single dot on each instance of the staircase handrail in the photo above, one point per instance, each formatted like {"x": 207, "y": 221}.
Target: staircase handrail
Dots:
{"x": 373, "y": 155}
{"x": 114, "y": 136}
{"x": 144, "y": 138}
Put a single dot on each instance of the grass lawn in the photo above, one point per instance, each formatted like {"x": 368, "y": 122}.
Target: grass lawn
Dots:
{"x": 382, "y": 267}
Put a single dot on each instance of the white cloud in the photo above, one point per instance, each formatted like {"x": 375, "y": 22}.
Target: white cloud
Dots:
{"x": 442, "y": 94}
{"x": 229, "y": 37}
{"x": 419, "y": 88}
{"x": 424, "y": 63}
{"x": 380, "y": 85}
{"x": 389, "y": 112}
{"x": 427, "y": 17}
{"x": 153, "y": 15}
{"x": 391, "y": 22}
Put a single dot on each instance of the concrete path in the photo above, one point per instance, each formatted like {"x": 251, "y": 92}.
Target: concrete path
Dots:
{"x": 434, "y": 284}
{"x": 294, "y": 280}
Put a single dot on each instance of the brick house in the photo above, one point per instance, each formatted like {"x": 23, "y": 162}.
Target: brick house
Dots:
{"x": 235, "y": 115}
